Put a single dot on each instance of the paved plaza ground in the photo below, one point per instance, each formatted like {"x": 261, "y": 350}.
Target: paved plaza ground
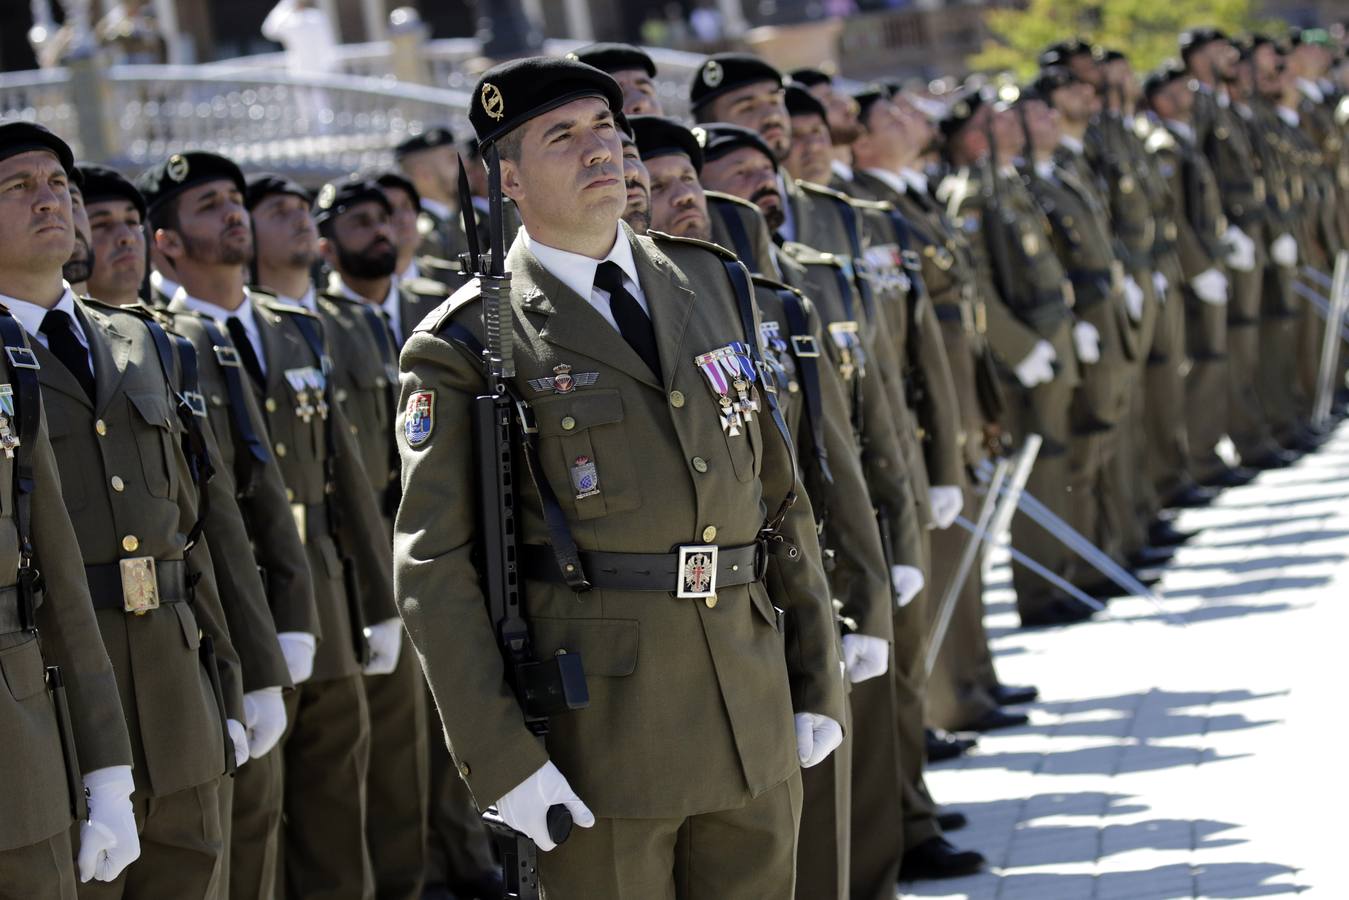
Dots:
{"x": 1166, "y": 760}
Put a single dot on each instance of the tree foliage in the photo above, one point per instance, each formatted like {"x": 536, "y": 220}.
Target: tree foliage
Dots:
{"x": 1146, "y": 30}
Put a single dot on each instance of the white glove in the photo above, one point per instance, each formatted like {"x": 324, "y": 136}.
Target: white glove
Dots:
{"x": 386, "y": 639}
{"x": 1133, "y": 298}
{"x": 239, "y": 735}
{"x": 1241, "y": 249}
{"x": 817, "y": 736}
{"x": 1038, "y": 366}
{"x": 1283, "y": 249}
{"x": 298, "y": 648}
{"x": 525, "y": 806}
{"x": 907, "y": 582}
{"x": 1087, "y": 340}
{"x": 265, "y": 719}
{"x": 108, "y": 838}
{"x": 947, "y": 501}
{"x": 1160, "y": 285}
{"x": 1210, "y": 286}
{"x": 865, "y": 656}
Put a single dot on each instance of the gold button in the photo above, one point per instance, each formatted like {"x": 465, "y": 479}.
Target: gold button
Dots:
{"x": 341, "y": 395}
{"x": 270, "y": 404}
{"x": 280, "y": 449}
{"x": 464, "y": 770}
{"x": 216, "y": 400}
{"x": 709, "y": 534}
{"x": 568, "y": 423}
{"x": 711, "y": 601}
{"x": 354, "y": 429}
{"x": 290, "y": 495}
{"x": 118, "y": 484}
{"x": 101, "y": 427}
{"x": 131, "y": 543}
{"x": 699, "y": 464}
{"x": 676, "y": 399}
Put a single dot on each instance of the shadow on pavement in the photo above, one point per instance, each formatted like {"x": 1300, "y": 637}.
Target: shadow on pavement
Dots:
{"x": 1220, "y": 881}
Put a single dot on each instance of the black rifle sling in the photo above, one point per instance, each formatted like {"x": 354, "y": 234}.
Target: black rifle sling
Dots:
{"x": 190, "y": 408}
{"x": 379, "y": 329}
{"x": 23, "y": 366}
{"x": 251, "y": 452}
{"x": 807, "y": 357}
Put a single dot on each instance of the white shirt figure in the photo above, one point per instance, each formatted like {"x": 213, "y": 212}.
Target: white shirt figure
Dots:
{"x": 306, "y": 34}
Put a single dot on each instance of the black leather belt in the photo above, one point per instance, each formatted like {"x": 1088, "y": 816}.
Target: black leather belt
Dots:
{"x": 10, "y": 620}
{"x": 316, "y": 521}
{"x": 105, "y": 583}
{"x": 948, "y": 312}
{"x": 693, "y": 570}
{"x": 1091, "y": 286}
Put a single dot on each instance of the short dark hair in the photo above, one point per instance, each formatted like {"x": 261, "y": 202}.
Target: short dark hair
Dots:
{"x": 510, "y": 144}
{"x": 165, "y": 216}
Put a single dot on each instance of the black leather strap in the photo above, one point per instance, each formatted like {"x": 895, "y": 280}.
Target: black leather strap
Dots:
{"x": 807, "y": 368}
{"x": 251, "y": 453}
{"x": 739, "y": 236}
{"x": 847, "y": 213}
{"x": 656, "y": 572}
{"x": 105, "y": 583}
{"x": 388, "y": 355}
{"x": 190, "y": 412}
{"x": 23, "y": 368}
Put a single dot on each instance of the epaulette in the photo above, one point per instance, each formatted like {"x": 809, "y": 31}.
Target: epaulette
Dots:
{"x": 139, "y": 308}
{"x": 956, "y": 189}
{"x": 662, "y": 237}
{"x": 881, "y": 206}
{"x": 426, "y": 287}
{"x": 811, "y": 187}
{"x": 809, "y": 256}
{"x": 774, "y": 284}
{"x": 436, "y": 318}
{"x": 1143, "y": 127}
{"x": 1160, "y": 140}
{"x": 426, "y": 224}
{"x": 732, "y": 199}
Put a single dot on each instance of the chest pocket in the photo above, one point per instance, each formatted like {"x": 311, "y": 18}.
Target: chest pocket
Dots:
{"x": 154, "y": 430}
{"x": 746, "y": 448}
{"x": 585, "y": 452}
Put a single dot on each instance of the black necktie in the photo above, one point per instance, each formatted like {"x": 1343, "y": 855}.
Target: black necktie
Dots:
{"x": 247, "y": 354}
{"x": 633, "y": 322}
{"x": 63, "y": 342}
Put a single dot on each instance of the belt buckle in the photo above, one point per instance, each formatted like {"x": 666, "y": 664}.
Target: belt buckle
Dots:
{"x": 226, "y": 355}
{"x": 195, "y": 402}
{"x": 140, "y": 585}
{"x": 696, "y": 578}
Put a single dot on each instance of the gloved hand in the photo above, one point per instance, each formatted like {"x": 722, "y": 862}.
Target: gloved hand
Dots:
{"x": 865, "y": 656}
{"x": 298, "y": 648}
{"x": 1210, "y": 286}
{"x": 1133, "y": 298}
{"x": 265, "y": 719}
{"x": 525, "y": 806}
{"x": 386, "y": 639}
{"x": 108, "y": 838}
{"x": 907, "y": 582}
{"x": 239, "y": 737}
{"x": 1240, "y": 249}
{"x": 1038, "y": 366}
{"x": 1087, "y": 340}
{"x": 817, "y": 736}
{"x": 947, "y": 501}
{"x": 1160, "y": 284}
{"x": 1283, "y": 250}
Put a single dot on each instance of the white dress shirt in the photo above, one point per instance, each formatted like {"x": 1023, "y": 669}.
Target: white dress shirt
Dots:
{"x": 309, "y": 301}
{"x": 841, "y": 169}
{"x": 30, "y": 316}
{"x": 393, "y": 309}
{"x": 1181, "y": 130}
{"x": 244, "y": 314}
{"x": 893, "y": 180}
{"x": 578, "y": 272}
{"x": 160, "y": 282}
{"x": 916, "y": 179}
{"x": 437, "y": 209}
{"x": 1072, "y": 144}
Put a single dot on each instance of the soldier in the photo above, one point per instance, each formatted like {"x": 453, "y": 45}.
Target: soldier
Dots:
{"x": 406, "y": 204}
{"x": 195, "y": 199}
{"x": 431, "y": 162}
{"x": 636, "y": 179}
{"x": 844, "y": 127}
{"x": 602, "y": 376}
{"x": 65, "y": 730}
{"x": 1030, "y": 325}
{"x": 632, "y": 68}
{"x": 744, "y": 90}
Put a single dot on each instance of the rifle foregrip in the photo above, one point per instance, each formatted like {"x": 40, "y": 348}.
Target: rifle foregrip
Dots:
{"x": 559, "y": 823}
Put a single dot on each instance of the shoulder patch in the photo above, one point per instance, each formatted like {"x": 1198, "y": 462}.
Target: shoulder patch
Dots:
{"x": 661, "y": 237}
{"x": 436, "y": 318}
{"x": 419, "y": 418}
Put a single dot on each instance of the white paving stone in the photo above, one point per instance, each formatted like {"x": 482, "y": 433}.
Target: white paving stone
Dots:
{"x": 1168, "y": 760}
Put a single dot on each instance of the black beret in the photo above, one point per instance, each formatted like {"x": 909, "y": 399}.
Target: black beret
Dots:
{"x": 801, "y": 102}
{"x": 99, "y": 183}
{"x": 1058, "y": 54}
{"x": 721, "y": 138}
{"x": 337, "y": 197}
{"x": 184, "y": 170}
{"x": 724, "y": 72}
{"x": 1050, "y": 80}
{"x": 1251, "y": 42}
{"x": 964, "y": 105}
{"x": 390, "y": 179}
{"x": 660, "y": 136}
{"x": 869, "y": 97}
{"x": 263, "y": 184}
{"x": 810, "y": 77}
{"x": 1107, "y": 54}
{"x": 510, "y": 94}
{"x": 1196, "y": 38}
{"x": 612, "y": 57}
{"x": 427, "y": 140}
{"x": 20, "y": 137}
{"x": 1168, "y": 72}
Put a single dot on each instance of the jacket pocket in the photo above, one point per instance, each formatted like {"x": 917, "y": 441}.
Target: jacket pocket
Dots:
{"x": 584, "y": 450}
{"x": 24, "y": 671}
{"x": 608, "y": 647}
{"x": 154, "y": 436}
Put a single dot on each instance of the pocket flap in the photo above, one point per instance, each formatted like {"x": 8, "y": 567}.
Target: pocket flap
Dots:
{"x": 154, "y": 409}
{"x": 608, "y": 647}
{"x": 23, "y": 669}
{"x": 569, "y": 414}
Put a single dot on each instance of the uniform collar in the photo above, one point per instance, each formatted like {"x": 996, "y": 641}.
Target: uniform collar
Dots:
{"x": 576, "y": 271}
{"x": 162, "y": 283}
{"x": 1181, "y": 130}
{"x": 841, "y": 169}
{"x": 309, "y": 301}
{"x": 244, "y": 313}
{"x": 915, "y": 179}
{"x": 1290, "y": 117}
{"x": 30, "y": 315}
{"x": 1311, "y": 90}
{"x": 894, "y": 182}
{"x": 1073, "y": 144}
{"x": 437, "y": 209}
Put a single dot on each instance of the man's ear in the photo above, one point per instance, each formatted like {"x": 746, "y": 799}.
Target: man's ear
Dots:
{"x": 328, "y": 252}
{"x": 510, "y": 180}
{"x": 169, "y": 243}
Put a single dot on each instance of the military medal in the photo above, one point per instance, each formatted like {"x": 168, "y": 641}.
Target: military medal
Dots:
{"x": 9, "y": 441}
{"x": 740, "y": 367}
{"x": 317, "y": 383}
{"x": 710, "y": 363}
{"x": 771, "y": 335}
{"x": 299, "y": 384}
{"x": 850, "y": 348}
{"x": 584, "y": 478}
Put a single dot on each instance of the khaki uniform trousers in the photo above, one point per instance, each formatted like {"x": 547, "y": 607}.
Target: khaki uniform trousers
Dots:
{"x": 1280, "y": 392}
{"x": 1167, "y": 437}
{"x": 746, "y": 853}
{"x": 255, "y": 827}
{"x": 1206, "y": 391}
{"x": 41, "y": 871}
{"x": 826, "y": 824}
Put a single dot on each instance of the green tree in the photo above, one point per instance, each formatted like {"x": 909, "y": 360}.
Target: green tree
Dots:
{"x": 1144, "y": 29}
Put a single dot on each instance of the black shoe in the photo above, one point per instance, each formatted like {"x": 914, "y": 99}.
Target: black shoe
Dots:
{"x": 942, "y": 746}
{"x": 1164, "y": 534}
{"x": 1192, "y": 497}
{"x": 1274, "y": 459}
{"x": 952, "y": 821}
{"x": 997, "y": 718}
{"x": 1152, "y": 556}
{"x": 1011, "y": 694}
{"x": 1232, "y": 476}
{"x": 1061, "y": 611}
{"x": 1308, "y": 440}
{"x": 937, "y": 857}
